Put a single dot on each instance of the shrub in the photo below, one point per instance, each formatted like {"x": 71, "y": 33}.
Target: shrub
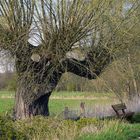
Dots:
{"x": 42, "y": 128}
{"x": 136, "y": 118}
{"x": 87, "y": 121}
{"x": 7, "y": 130}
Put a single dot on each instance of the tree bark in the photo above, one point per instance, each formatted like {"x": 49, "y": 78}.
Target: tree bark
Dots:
{"x": 37, "y": 80}
{"x": 37, "y": 106}
{"x": 34, "y": 90}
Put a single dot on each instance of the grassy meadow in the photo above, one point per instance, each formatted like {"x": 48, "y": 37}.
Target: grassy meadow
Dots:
{"x": 59, "y": 100}
{"x": 55, "y": 128}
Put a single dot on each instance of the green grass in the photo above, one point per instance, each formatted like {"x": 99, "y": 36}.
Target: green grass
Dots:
{"x": 6, "y": 105}
{"x": 66, "y": 94}
{"x": 7, "y": 94}
{"x": 83, "y": 94}
{"x": 57, "y": 105}
{"x": 115, "y": 131}
{"x": 55, "y": 128}
{"x": 6, "y": 102}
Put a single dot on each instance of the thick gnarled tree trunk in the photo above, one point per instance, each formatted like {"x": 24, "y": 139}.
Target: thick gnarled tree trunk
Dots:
{"x": 35, "y": 85}
{"x": 37, "y": 80}
{"x": 36, "y": 106}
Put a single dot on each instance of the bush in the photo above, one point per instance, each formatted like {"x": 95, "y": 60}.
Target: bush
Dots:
{"x": 41, "y": 128}
{"x": 88, "y": 121}
{"x": 8, "y": 131}
{"x": 136, "y": 118}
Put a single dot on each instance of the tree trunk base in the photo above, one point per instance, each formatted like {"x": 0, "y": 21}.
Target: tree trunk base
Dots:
{"x": 37, "y": 107}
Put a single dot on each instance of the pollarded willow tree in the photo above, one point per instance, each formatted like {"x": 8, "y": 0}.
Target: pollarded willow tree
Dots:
{"x": 98, "y": 28}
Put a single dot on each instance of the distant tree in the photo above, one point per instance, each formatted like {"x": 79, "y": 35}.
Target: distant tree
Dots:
{"x": 99, "y": 28}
